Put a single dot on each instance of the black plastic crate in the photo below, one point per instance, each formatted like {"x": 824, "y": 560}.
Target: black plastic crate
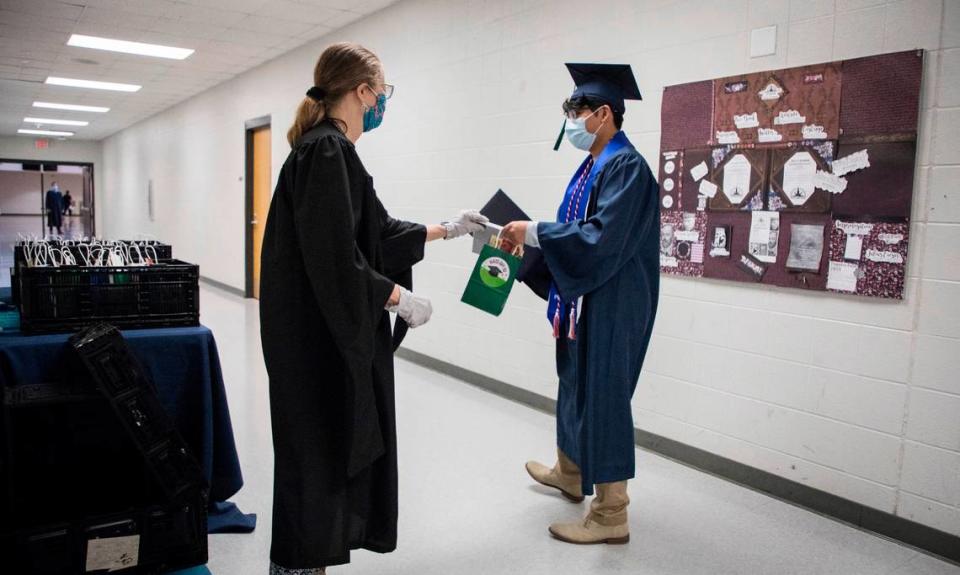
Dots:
{"x": 70, "y": 298}
{"x": 96, "y": 469}
{"x": 164, "y": 253}
{"x": 167, "y": 537}
{"x": 123, "y": 381}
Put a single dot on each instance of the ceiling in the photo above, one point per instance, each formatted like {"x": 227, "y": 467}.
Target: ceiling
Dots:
{"x": 229, "y": 36}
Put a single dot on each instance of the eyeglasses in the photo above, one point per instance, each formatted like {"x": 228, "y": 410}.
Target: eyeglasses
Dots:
{"x": 576, "y": 112}
{"x": 387, "y": 90}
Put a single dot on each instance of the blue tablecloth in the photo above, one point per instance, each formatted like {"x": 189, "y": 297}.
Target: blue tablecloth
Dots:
{"x": 185, "y": 367}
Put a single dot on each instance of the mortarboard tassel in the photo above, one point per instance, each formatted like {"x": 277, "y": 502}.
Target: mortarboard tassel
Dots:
{"x": 563, "y": 128}
{"x": 556, "y": 324}
{"x": 572, "y": 333}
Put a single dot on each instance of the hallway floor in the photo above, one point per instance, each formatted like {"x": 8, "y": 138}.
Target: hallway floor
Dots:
{"x": 468, "y": 507}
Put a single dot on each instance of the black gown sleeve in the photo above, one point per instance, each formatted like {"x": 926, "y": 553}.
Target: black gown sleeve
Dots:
{"x": 402, "y": 247}
{"x": 350, "y": 294}
{"x": 401, "y": 242}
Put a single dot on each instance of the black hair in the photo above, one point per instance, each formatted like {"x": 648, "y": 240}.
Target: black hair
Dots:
{"x": 593, "y": 104}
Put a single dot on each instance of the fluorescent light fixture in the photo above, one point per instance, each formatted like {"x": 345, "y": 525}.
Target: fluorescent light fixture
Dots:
{"x": 126, "y": 47}
{"x": 44, "y": 132}
{"x": 92, "y": 84}
{"x": 73, "y": 107}
{"x": 53, "y": 121}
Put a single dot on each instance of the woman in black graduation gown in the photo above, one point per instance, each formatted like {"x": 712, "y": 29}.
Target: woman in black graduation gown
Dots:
{"x": 333, "y": 264}
{"x": 54, "y": 205}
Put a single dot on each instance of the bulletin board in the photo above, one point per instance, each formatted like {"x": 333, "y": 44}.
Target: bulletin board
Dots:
{"x": 800, "y": 178}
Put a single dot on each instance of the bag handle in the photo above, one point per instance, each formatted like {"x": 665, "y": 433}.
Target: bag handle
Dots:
{"x": 52, "y": 253}
{"x": 84, "y": 251}
{"x": 28, "y": 254}
{"x": 41, "y": 255}
{"x": 140, "y": 261}
{"x": 496, "y": 241}
{"x": 151, "y": 260}
{"x": 101, "y": 256}
{"x": 117, "y": 258}
{"x": 68, "y": 259}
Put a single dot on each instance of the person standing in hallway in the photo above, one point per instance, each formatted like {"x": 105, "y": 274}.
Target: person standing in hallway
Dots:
{"x": 53, "y": 202}
{"x": 602, "y": 253}
{"x": 67, "y": 204}
{"x": 333, "y": 263}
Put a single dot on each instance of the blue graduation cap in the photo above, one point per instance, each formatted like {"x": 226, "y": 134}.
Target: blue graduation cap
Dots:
{"x": 608, "y": 83}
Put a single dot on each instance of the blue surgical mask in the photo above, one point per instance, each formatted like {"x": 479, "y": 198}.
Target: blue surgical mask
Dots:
{"x": 576, "y": 131}
{"x": 374, "y": 115}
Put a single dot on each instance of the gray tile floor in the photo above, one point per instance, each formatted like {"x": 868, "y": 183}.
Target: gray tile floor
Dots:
{"x": 467, "y": 506}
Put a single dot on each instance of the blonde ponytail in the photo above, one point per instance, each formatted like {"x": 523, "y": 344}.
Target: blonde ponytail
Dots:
{"x": 309, "y": 114}
{"x": 341, "y": 68}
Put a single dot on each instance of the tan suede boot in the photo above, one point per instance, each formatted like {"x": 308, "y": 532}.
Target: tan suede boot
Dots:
{"x": 606, "y": 522}
{"x": 565, "y": 476}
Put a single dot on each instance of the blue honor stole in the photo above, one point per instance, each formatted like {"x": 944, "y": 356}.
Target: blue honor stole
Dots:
{"x": 573, "y": 208}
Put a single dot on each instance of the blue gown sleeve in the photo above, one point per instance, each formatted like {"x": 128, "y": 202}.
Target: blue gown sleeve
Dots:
{"x": 585, "y": 254}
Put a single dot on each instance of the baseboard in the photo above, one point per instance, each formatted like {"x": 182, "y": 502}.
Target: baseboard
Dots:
{"x": 222, "y": 286}
{"x": 924, "y": 538}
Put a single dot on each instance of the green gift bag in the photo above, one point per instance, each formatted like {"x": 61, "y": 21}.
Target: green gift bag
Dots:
{"x": 492, "y": 277}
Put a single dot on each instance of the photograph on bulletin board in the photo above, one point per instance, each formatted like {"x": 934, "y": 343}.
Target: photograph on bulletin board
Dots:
{"x": 800, "y": 177}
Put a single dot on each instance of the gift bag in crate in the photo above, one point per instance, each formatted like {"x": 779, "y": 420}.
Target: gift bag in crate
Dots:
{"x": 493, "y": 276}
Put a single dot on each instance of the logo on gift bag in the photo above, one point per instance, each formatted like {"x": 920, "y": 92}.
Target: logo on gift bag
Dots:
{"x": 493, "y": 276}
{"x": 495, "y": 272}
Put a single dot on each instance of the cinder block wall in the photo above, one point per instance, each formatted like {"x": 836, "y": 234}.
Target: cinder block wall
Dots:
{"x": 856, "y": 397}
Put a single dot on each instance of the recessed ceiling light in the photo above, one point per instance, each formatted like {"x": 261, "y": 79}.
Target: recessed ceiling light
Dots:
{"x": 73, "y": 107}
{"x": 93, "y": 84}
{"x": 53, "y": 121}
{"x": 126, "y": 47}
{"x": 44, "y": 132}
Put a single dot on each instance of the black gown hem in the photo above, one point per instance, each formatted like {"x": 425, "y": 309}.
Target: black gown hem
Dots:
{"x": 344, "y": 558}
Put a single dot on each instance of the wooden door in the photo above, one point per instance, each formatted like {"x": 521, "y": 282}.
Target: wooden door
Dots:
{"x": 261, "y": 197}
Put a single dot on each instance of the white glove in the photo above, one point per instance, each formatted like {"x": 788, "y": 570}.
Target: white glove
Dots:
{"x": 468, "y": 222}
{"x": 414, "y": 310}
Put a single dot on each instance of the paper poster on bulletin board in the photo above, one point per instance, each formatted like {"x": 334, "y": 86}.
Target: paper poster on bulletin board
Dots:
{"x": 799, "y": 178}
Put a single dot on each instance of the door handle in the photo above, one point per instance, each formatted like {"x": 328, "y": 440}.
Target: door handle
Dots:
{"x": 253, "y": 223}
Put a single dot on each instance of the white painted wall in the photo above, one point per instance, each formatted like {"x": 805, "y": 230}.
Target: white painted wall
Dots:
{"x": 856, "y": 397}
{"x": 22, "y": 193}
{"x": 22, "y": 148}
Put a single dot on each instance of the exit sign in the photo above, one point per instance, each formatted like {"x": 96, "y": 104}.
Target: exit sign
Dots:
{"x": 41, "y": 144}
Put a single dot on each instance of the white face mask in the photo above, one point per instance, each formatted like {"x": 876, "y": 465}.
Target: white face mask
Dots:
{"x": 577, "y": 134}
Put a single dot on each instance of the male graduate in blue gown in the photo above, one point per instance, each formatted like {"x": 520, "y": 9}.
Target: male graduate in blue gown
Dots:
{"x": 602, "y": 255}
